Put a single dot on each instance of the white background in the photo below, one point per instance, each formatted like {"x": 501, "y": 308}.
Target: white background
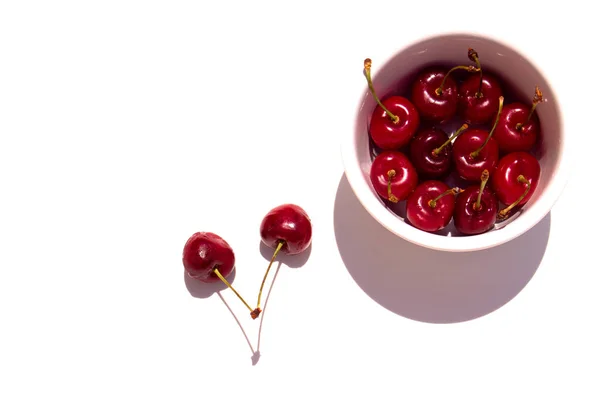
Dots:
{"x": 126, "y": 126}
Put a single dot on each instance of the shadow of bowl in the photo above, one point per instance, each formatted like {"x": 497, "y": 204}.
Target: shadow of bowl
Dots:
{"x": 428, "y": 285}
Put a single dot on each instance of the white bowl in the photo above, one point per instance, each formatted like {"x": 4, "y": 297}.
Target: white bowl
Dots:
{"x": 393, "y": 75}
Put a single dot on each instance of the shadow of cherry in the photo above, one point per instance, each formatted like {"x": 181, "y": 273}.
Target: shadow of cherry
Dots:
{"x": 262, "y": 317}
{"x": 291, "y": 260}
{"x": 428, "y": 285}
{"x": 203, "y": 290}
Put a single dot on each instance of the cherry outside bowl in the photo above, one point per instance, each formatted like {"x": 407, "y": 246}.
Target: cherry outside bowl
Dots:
{"x": 395, "y": 74}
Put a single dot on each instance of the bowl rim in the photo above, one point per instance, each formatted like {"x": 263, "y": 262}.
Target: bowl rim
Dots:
{"x": 524, "y": 223}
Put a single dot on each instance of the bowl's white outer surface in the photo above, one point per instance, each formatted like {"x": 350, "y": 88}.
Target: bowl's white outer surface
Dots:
{"x": 506, "y": 61}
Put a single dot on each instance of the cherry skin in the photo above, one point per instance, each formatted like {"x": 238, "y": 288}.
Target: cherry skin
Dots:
{"x": 468, "y": 167}
{"x": 514, "y": 132}
{"x": 386, "y": 133}
{"x": 203, "y": 253}
{"x": 475, "y": 209}
{"x": 394, "y": 121}
{"x": 433, "y": 104}
{"x": 288, "y": 224}
{"x": 431, "y": 206}
{"x": 393, "y": 176}
{"x": 519, "y": 127}
{"x": 471, "y": 221}
{"x": 505, "y": 180}
{"x": 427, "y": 163}
{"x": 479, "y": 109}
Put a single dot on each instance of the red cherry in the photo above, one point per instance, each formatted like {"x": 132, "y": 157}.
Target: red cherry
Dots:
{"x": 393, "y": 176}
{"x": 209, "y": 258}
{"x": 519, "y": 128}
{"x": 515, "y": 180}
{"x": 478, "y": 107}
{"x": 434, "y": 93}
{"x": 430, "y": 206}
{"x": 478, "y": 95}
{"x": 205, "y": 252}
{"x": 390, "y": 133}
{"x": 468, "y": 165}
{"x": 475, "y": 209}
{"x": 476, "y": 150}
{"x": 287, "y": 226}
{"x": 431, "y": 152}
{"x": 287, "y": 229}
{"x": 394, "y": 121}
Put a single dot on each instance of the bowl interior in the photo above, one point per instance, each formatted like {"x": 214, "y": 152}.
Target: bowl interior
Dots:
{"x": 519, "y": 76}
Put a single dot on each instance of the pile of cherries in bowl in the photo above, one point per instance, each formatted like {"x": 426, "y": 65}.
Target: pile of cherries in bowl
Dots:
{"x": 474, "y": 176}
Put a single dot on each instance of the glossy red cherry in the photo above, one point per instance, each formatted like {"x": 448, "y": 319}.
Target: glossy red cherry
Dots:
{"x": 475, "y": 209}
{"x": 519, "y": 127}
{"x": 204, "y": 253}
{"x": 431, "y": 206}
{"x": 209, "y": 258}
{"x": 476, "y": 150}
{"x": 287, "y": 229}
{"x": 394, "y": 121}
{"x": 434, "y": 93}
{"x": 393, "y": 176}
{"x": 515, "y": 180}
{"x": 478, "y": 95}
{"x": 287, "y": 226}
{"x": 431, "y": 152}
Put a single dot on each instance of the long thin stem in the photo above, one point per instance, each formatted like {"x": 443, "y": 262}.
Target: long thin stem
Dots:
{"x": 473, "y": 56}
{"x": 391, "y": 174}
{"x": 538, "y": 97}
{"x": 367, "y": 64}
{"x": 433, "y": 202}
{"x": 485, "y": 175}
{"x": 257, "y": 310}
{"x": 222, "y": 278}
{"x": 475, "y": 153}
{"x": 469, "y": 68}
{"x": 450, "y": 139}
{"x": 521, "y": 179}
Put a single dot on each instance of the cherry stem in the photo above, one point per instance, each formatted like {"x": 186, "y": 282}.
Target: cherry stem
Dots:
{"x": 395, "y": 118}
{"x": 521, "y": 179}
{"x": 538, "y": 97}
{"x": 485, "y": 175}
{"x": 222, "y": 278}
{"x": 501, "y": 103}
{"x": 447, "y": 142}
{"x": 469, "y": 68}
{"x": 432, "y": 203}
{"x": 391, "y": 174}
{"x": 475, "y": 57}
{"x": 257, "y": 311}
